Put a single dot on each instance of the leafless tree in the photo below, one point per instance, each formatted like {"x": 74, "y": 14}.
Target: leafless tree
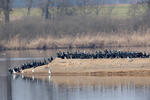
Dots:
{"x": 98, "y": 6}
{"x": 29, "y": 4}
{"x": 44, "y": 5}
{"x": 6, "y": 6}
{"x": 85, "y": 4}
{"x": 140, "y": 15}
{"x": 1, "y": 8}
{"x": 146, "y": 15}
{"x": 46, "y": 10}
{"x": 63, "y": 8}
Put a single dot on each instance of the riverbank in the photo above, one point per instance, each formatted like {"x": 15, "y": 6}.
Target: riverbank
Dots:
{"x": 88, "y": 41}
{"x": 94, "y": 67}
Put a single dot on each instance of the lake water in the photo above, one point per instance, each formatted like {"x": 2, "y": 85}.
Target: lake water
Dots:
{"x": 66, "y": 87}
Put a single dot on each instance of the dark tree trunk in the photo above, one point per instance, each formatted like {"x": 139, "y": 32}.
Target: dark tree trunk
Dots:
{"x": 6, "y": 13}
{"x": 47, "y": 14}
{"x": 29, "y": 5}
{"x": 6, "y": 10}
{"x": 28, "y": 13}
{"x": 42, "y": 11}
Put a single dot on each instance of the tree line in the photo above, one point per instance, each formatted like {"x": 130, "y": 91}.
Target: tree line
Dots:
{"x": 62, "y": 7}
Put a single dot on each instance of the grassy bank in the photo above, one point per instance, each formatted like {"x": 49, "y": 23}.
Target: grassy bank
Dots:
{"x": 72, "y": 32}
{"x": 88, "y": 41}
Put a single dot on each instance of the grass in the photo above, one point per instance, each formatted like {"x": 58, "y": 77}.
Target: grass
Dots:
{"x": 76, "y": 31}
{"x": 121, "y": 11}
{"x": 23, "y": 12}
{"x": 118, "y": 11}
{"x": 88, "y": 41}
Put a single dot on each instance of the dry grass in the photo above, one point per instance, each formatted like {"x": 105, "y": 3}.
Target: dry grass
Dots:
{"x": 81, "y": 41}
{"x": 72, "y": 32}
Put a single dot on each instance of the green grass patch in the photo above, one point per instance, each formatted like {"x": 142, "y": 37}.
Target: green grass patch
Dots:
{"x": 117, "y": 11}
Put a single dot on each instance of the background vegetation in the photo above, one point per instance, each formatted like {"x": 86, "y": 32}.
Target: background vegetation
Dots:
{"x": 61, "y": 24}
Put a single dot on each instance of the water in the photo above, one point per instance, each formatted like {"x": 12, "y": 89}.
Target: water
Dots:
{"x": 66, "y": 87}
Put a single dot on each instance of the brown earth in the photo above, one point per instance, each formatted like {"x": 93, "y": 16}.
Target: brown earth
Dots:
{"x": 95, "y": 67}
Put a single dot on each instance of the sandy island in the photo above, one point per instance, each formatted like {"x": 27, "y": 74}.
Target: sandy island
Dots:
{"x": 94, "y": 67}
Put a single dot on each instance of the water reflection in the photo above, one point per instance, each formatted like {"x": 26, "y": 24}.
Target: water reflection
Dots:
{"x": 5, "y": 88}
{"x": 80, "y": 88}
{"x": 66, "y": 88}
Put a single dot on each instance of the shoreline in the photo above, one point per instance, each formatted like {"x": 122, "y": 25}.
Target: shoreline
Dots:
{"x": 93, "y": 67}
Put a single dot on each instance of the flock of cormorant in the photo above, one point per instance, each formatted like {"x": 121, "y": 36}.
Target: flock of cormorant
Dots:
{"x": 102, "y": 54}
{"x": 81, "y": 55}
{"x": 33, "y": 64}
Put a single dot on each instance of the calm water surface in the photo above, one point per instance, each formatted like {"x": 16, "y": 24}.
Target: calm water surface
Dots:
{"x": 66, "y": 87}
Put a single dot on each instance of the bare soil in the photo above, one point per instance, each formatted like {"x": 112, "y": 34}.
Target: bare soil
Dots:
{"x": 95, "y": 67}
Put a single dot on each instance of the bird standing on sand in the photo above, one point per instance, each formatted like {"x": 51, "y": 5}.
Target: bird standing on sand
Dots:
{"x": 33, "y": 70}
{"x": 129, "y": 59}
{"x": 49, "y": 71}
{"x": 22, "y": 71}
{"x": 14, "y": 72}
{"x": 14, "y": 76}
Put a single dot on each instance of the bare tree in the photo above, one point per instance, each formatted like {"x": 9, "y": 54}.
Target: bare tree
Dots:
{"x": 85, "y": 4}
{"x": 47, "y": 14}
{"x": 140, "y": 14}
{"x": 1, "y": 8}
{"x": 6, "y": 7}
{"x": 97, "y": 5}
{"x": 146, "y": 15}
{"x": 63, "y": 8}
{"x": 44, "y": 5}
{"x": 29, "y": 4}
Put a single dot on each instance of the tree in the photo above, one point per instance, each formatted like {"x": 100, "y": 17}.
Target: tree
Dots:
{"x": 98, "y": 6}
{"x": 146, "y": 15}
{"x": 1, "y": 8}
{"x": 44, "y": 5}
{"x": 63, "y": 8}
{"x": 29, "y": 4}
{"x": 140, "y": 14}
{"x": 6, "y": 6}
{"x": 46, "y": 10}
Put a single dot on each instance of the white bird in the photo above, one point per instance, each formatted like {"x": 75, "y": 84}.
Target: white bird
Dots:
{"x": 22, "y": 76}
{"x": 14, "y": 76}
{"x": 84, "y": 52}
{"x": 14, "y": 71}
{"x": 49, "y": 77}
{"x": 22, "y": 71}
{"x": 32, "y": 77}
{"x": 49, "y": 71}
{"x": 3, "y": 54}
{"x": 129, "y": 59}
{"x": 33, "y": 70}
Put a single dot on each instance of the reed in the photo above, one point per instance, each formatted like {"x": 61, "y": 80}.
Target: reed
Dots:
{"x": 72, "y": 32}
{"x": 80, "y": 41}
